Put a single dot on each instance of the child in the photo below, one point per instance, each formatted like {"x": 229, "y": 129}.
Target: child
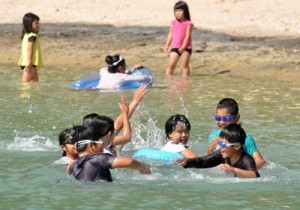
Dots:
{"x": 31, "y": 57}
{"x": 230, "y": 158}
{"x": 67, "y": 140}
{"x": 92, "y": 164}
{"x": 119, "y": 122}
{"x": 177, "y": 130}
{"x": 227, "y": 113}
{"x": 179, "y": 38}
{"x": 115, "y": 74}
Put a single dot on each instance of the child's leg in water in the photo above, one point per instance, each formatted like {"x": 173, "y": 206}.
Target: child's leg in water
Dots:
{"x": 35, "y": 76}
{"x": 172, "y": 63}
{"x": 30, "y": 75}
{"x": 185, "y": 60}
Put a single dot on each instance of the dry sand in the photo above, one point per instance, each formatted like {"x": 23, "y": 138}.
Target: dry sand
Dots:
{"x": 250, "y": 38}
{"x": 239, "y": 17}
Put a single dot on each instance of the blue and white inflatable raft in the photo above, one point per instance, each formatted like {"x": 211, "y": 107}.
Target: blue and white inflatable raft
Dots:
{"x": 157, "y": 155}
{"x": 91, "y": 81}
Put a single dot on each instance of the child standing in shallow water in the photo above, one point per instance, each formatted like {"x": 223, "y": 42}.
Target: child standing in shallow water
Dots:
{"x": 179, "y": 38}
{"x": 31, "y": 53}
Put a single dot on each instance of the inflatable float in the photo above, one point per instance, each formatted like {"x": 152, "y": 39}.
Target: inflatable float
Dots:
{"x": 156, "y": 154}
{"x": 91, "y": 81}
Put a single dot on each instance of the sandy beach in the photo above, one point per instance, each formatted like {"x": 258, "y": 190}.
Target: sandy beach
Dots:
{"x": 250, "y": 38}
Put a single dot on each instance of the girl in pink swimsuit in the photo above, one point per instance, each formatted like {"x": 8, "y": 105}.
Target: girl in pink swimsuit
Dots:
{"x": 179, "y": 40}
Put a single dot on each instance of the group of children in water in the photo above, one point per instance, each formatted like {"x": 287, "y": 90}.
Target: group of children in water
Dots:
{"x": 90, "y": 150}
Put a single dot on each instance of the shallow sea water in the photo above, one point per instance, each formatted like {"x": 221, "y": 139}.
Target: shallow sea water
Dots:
{"x": 33, "y": 114}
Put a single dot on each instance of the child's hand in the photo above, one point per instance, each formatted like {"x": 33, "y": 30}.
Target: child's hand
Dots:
{"x": 180, "y": 161}
{"x": 28, "y": 69}
{"x": 226, "y": 167}
{"x": 212, "y": 145}
{"x": 166, "y": 48}
{"x": 181, "y": 50}
{"x": 124, "y": 106}
{"x": 145, "y": 170}
{"x": 139, "y": 93}
{"x": 135, "y": 67}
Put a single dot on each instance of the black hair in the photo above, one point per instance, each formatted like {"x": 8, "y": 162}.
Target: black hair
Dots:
{"x": 85, "y": 133}
{"x": 183, "y": 5}
{"x": 87, "y": 119}
{"x": 28, "y": 18}
{"x": 114, "y": 62}
{"x": 233, "y": 133}
{"x": 95, "y": 127}
{"x": 68, "y": 136}
{"x": 230, "y": 104}
{"x": 171, "y": 123}
{"x": 102, "y": 125}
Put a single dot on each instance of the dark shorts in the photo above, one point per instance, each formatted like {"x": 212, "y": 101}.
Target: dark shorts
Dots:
{"x": 23, "y": 67}
{"x": 176, "y": 50}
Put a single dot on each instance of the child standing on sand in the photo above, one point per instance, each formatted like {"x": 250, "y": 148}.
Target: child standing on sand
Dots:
{"x": 31, "y": 53}
{"x": 180, "y": 40}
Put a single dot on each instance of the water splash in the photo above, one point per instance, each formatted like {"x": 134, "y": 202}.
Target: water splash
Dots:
{"x": 184, "y": 109}
{"x": 145, "y": 132}
{"x": 34, "y": 143}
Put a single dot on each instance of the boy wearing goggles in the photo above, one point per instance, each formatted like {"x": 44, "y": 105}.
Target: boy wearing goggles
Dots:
{"x": 92, "y": 163}
{"x": 230, "y": 158}
{"x": 227, "y": 113}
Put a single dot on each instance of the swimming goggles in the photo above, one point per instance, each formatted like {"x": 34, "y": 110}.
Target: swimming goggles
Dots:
{"x": 69, "y": 141}
{"x": 86, "y": 141}
{"x": 225, "y": 118}
{"x": 222, "y": 144}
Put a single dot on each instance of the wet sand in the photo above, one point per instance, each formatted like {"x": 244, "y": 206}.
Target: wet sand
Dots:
{"x": 260, "y": 50}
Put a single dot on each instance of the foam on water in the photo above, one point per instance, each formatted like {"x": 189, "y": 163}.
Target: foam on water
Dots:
{"x": 30, "y": 144}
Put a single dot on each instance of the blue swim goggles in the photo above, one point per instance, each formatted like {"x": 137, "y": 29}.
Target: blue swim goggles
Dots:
{"x": 222, "y": 144}
{"x": 225, "y": 118}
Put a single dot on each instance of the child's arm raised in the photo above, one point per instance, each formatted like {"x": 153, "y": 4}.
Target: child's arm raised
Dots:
{"x": 126, "y": 137}
{"x": 137, "y": 98}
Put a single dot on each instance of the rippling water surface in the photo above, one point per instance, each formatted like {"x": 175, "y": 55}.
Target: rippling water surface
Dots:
{"x": 33, "y": 114}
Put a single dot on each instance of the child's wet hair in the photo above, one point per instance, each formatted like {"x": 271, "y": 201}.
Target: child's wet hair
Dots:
{"x": 28, "y": 18}
{"x": 102, "y": 125}
{"x": 85, "y": 133}
{"x": 171, "y": 123}
{"x": 94, "y": 127}
{"x": 233, "y": 133}
{"x": 87, "y": 119}
{"x": 68, "y": 136}
{"x": 230, "y": 104}
{"x": 114, "y": 62}
{"x": 183, "y": 5}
